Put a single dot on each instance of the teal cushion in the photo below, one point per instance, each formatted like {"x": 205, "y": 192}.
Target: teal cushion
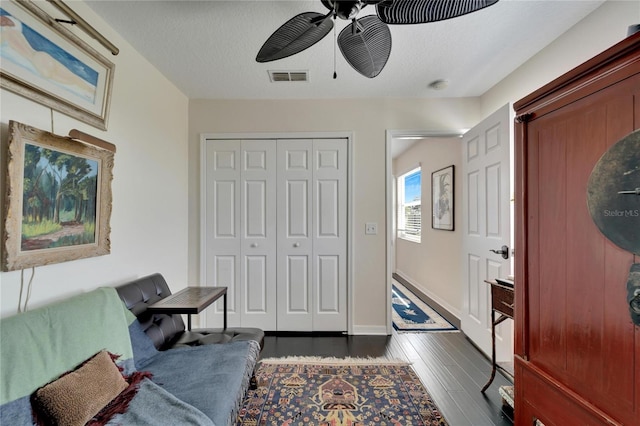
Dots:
{"x": 39, "y": 345}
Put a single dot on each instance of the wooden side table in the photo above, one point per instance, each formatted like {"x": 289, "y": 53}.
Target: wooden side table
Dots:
{"x": 191, "y": 300}
{"x": 501, "y": 302}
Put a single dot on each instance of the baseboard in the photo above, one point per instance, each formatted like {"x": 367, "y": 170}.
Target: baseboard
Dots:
{"x": 449, "y": 316}
{"x": 369, "y": 330}
{"x": 357, "y": 331}
{"x": 305, "y": 333}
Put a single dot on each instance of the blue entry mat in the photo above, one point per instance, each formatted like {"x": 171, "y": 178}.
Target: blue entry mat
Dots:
{"x": 412, "y": 314}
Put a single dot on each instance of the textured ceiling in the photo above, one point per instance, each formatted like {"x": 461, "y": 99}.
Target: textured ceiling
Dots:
{"x": 208, "y": 48}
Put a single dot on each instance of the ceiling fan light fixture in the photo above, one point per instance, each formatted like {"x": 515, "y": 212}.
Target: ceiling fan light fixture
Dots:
{"x": 366, "y": 43}
{"x": 439, "y": 84}
{"x": 344, "y": 9}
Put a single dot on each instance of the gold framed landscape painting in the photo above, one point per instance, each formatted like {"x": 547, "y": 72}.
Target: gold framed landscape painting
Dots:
{"x": 43, "y": 61}
{"x": 57, "y": 200}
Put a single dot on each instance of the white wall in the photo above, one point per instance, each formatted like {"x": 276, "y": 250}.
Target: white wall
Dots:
{"x": 600, "y": 30}
{"x": 433, "y": 265}
{"x": 148, "y": 123}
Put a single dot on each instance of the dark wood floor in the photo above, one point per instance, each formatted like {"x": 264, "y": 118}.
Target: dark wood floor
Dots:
{"x": 450, "y": 367}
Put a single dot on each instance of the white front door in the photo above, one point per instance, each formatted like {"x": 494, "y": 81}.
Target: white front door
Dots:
{"x": 487, "y": 226}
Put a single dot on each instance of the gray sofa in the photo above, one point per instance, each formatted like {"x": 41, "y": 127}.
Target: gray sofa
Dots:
{"x": 190, "y": 382}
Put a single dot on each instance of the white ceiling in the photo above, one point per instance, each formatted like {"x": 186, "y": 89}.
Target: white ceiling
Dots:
{"x": 208, "y": 48}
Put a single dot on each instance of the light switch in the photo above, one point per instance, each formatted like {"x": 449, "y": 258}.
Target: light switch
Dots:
{"x": 371, "y": 228}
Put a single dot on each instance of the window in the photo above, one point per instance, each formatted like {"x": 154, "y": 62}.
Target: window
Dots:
{"x": 409, "y": 205}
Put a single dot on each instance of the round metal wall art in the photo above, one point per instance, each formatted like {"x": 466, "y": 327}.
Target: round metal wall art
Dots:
{"x": 613, "y": 193}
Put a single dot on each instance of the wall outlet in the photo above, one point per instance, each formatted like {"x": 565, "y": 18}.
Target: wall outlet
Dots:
{"x": 371, "y": 228}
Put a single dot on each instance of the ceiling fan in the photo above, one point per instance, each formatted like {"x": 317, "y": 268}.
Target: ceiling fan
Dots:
{"x": 366, "y": 43}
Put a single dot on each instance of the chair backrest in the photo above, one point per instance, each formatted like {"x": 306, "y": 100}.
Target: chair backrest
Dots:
{"x": 137, "y": 295}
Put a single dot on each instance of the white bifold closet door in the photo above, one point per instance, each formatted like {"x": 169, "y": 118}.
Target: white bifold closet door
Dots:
{"x": 312, "y": 240}
{"x": 274, "y": 232}
{"x": 239, "y": 230}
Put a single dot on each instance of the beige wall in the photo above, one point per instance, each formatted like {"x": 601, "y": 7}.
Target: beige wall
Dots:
{"x": 433, "y": 265}
{"x": 148, "y": 124}
{"x": 368, "y": 120}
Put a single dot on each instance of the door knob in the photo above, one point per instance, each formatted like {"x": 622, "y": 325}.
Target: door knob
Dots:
{"x": 504, "y": 252}
{"x": 254, "y": 245}
{"x": 296, "y": 244}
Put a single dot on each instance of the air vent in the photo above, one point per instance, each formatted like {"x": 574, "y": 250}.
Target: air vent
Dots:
{"x": 279, "y": 76}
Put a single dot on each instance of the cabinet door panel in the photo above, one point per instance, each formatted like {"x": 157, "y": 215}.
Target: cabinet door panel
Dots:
{"x": 581, "y": 340}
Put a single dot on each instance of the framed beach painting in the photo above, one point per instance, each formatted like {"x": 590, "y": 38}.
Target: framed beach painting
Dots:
{"x": 57, "y": 201}
{"x": 43, "y": 61}
{"x": 442, "y": 208}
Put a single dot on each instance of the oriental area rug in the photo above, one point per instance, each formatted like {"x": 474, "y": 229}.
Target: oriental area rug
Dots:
{"x": 313, "y": 391}
{"x": 410, "y": 314}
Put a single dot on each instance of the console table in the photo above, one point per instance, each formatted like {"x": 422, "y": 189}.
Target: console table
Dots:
{"x": 191, "y": 300}
{"x": 501, "y": 302}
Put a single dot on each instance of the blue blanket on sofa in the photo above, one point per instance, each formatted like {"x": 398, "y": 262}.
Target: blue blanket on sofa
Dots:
{"x": 200, "y": 385}
{"x": 207, "y": 377}
{"x": 152, "y": 403}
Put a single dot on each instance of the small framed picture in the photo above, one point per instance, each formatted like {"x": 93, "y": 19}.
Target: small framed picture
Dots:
{"x": 442, "y": 190}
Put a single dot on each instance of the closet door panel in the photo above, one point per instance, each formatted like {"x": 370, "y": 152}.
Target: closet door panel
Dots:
{"x": 295, "y": 242}
{"x": 258, "y": 234}
{"x": 297, "y": 285}
{"x": 221, "y": 227}
{"x": 297, "y": 216}
{"x": 329, "y": 235}
{"x": 255, "y": 273}
{"x": 328, "y": 278}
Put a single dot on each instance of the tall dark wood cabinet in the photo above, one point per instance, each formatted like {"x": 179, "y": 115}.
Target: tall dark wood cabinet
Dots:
{"x": 577, "y": 351}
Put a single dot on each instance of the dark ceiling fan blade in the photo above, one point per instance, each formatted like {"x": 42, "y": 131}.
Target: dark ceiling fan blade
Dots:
{"x": 297, "y": 34}
{"x": 328, "y": 4}
{"x": 423, "y": 11}
{"x": 368, "y": 50}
